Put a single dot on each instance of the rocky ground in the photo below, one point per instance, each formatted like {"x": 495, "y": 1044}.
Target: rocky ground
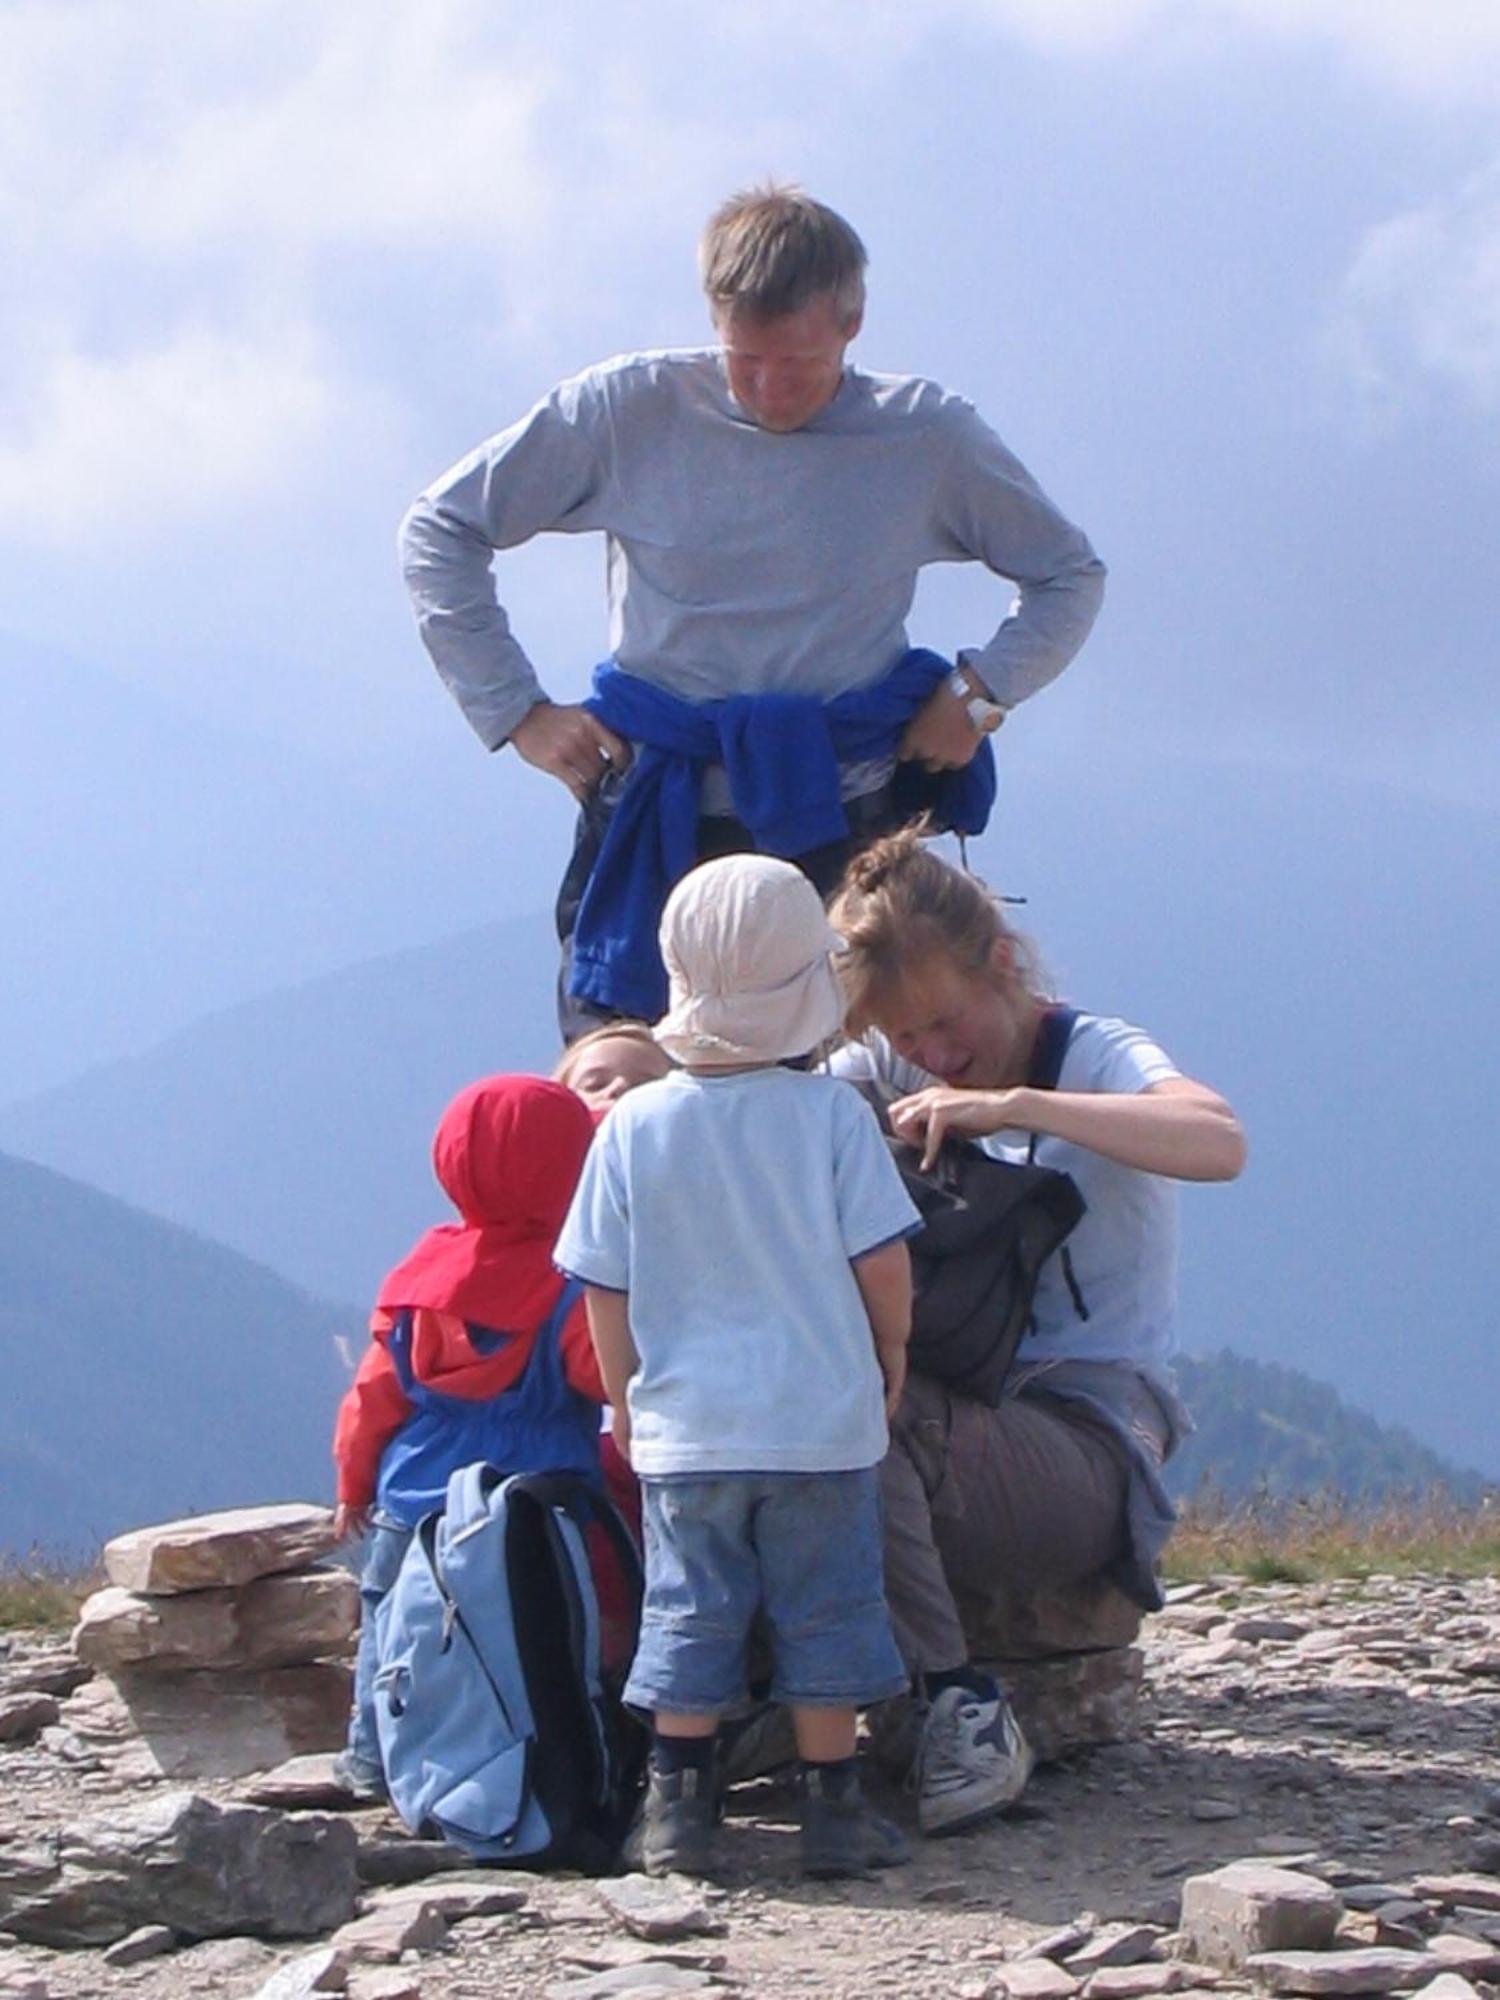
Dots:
{"x": 1350, "y": 1730}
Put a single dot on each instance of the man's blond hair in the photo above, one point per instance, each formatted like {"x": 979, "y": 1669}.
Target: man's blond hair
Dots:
{"x": 772, "y": 250}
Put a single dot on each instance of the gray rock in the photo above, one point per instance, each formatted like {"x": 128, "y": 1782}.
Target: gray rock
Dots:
{"x": 380, "y": 1937}
{"x": 1209, "y": 1810}
{"x": 150, "y": 1941}
{"x": 1036, "y": 1979}
{"x": 46, "y": 1670}
{"x": 1449, "y": 1892}
{"x": 656, "y": 1910}
{"x": 1250, "y": 1908}
{"x": 1448, "y": 1986}
{"x": 299, "y": 1783}
{"x": 650, "y": 1976}
{"x": 1058, "y": 1943}
{"x": 384, "y": 1861}
{"x": 1371, "y": 1970}
{"x": 1136, "y": 1982}
{"x": 277, "y": 1621}
{"x": 385, "y": 1985}
{"x": 211, "y": 1725}
{"x": 324, "y": 1971}
{"x": 25, "y": 1715}
{"x": 1076, "y": 1700}
{"x": 1115, "y": 1945}
{"x": 457, "y": 1896}
{"x": 208, "y": 1551}
{"x": 178, "y": 1859}
{"x": 1373, "y": 1895}
{"x": 20, "y": 1981}
{"x": 1475, "y": 1958}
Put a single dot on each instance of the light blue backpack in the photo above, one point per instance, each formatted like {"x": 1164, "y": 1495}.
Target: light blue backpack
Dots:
{"x": 499, "y": 1728}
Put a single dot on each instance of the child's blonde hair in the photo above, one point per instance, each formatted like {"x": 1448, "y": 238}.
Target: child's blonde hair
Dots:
{"x": 637, "y": 1032}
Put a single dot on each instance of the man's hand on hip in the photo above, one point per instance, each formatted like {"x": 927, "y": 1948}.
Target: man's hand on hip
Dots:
{"x": 570, "y": 744}
{"x": 940, "y": 735}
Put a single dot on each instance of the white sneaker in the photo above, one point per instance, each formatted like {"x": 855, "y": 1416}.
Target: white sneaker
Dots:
{"x": 973, "y": 1761}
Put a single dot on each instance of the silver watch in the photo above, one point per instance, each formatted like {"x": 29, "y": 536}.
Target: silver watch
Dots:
{"x": 985, "y": 715}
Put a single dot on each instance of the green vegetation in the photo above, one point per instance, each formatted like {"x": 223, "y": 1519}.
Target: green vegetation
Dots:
{"x": 40, "y": 1594}
{"x": 1269, "y": 1540}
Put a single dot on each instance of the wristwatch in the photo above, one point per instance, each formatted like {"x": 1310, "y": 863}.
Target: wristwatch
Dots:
{"x": 984, "y": 713}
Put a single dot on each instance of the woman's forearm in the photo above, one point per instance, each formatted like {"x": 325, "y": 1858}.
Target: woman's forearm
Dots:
{"x": 1178, "y": 1128}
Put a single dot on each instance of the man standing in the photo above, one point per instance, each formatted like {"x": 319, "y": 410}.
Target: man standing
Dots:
{"x": 767, "y": 509}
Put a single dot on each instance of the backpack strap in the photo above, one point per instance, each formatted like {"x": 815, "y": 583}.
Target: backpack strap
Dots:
{"x": 1054, "y": 1032}
{"x": 1048, "y": 1053}
{"x": 468, "y": 1500}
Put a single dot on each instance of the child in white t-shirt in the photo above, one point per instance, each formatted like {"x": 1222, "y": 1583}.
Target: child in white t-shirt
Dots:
{"x": 740, "y": 1228}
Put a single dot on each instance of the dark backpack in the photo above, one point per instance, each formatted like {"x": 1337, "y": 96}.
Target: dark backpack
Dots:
{"x": 500, "y": 1726}
{"x": 988, "y": 1227}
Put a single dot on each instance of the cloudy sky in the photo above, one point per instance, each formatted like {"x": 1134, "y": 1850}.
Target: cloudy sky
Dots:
{"x": 1226, "y": 273}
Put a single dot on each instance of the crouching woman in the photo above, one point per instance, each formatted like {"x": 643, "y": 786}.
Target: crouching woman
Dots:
{"x": 985, "y": 1506}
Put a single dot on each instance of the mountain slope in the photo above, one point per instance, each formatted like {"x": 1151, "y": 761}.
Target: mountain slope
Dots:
{"x": 1317, "y": 949}
{"x": 1264, "y": 1429}
{"x": 149, "y": 1373}
{"x": 297, "y": 1128}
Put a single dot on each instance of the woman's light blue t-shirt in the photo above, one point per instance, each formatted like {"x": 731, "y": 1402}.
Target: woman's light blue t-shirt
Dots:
{"x": 729, "y": 1207}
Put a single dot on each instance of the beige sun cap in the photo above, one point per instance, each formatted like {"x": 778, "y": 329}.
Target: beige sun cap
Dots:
{"x": 749, "y": 954}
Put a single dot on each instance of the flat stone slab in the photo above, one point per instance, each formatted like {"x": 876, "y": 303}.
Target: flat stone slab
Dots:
{"x": 183, "y": 1861}
{"x": 23, "y": 1716}
{"x": 207, "y": 1551}
{"x": 1375, "y": 1969}
{"x": 1233, "y": 1913}
{"x": 211, "y": 1725}
{"x": 323, "y": 1971}
{"x": 1114, "y": 1945}
{"x": 299, "y": 1783}
{"x": 1137, "y": 1982}
{"x": 1036, "y": 1979}
{"x": 650, "y": 1976}
{"x": 380, "y": 1937}
{"x": 656, "y": 1910}
{"x": 277, "y": 1621}
{"x": 457, "y": 1896}
{"x": 1475, "y": 1958}
{"x": 150, "y": 1941}
{"x": 1459, "y": 1892}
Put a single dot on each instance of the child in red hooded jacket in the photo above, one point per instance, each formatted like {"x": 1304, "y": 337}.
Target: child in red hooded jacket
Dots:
{"x": 480, "y": 1349}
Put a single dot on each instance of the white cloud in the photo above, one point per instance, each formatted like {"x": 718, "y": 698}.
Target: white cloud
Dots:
{"x": 1420, "y": 305}
{"x": 132, "y": 446}
{"x": 1429, "y": 48}
{"x": 398, "y": 124}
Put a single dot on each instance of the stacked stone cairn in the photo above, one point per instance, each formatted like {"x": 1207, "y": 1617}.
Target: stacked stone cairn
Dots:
{"x": 221, "y": 1645}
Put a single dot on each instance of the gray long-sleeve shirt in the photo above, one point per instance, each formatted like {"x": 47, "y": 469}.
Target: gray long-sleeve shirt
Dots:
{"x": 743, "y": 560}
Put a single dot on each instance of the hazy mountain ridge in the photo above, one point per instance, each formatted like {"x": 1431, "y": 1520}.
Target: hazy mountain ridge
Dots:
{"x": 151, "y": 1372}
{"x": 1266, "y": 1429}
{"x": 157, "y": 1373}
{"x": 1279, "y": 935}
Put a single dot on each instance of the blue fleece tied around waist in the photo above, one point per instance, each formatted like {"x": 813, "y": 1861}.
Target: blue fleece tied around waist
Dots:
{"x": 782, "y": 754}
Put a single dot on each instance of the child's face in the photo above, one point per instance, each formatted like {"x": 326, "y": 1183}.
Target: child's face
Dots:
{"x": 606, "y": 1069}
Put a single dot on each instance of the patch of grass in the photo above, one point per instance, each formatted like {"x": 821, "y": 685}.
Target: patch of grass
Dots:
{"x": 38, "y": 1592}
{"x": 1269, "y": 1540}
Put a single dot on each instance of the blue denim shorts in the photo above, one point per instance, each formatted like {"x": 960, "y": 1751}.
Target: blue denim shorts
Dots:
{"x": 804, "y": 1547}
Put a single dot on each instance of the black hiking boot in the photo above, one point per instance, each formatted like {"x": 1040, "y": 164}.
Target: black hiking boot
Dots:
{"x": 841, "y": 1835}
{"x": 677, "y": 1831}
